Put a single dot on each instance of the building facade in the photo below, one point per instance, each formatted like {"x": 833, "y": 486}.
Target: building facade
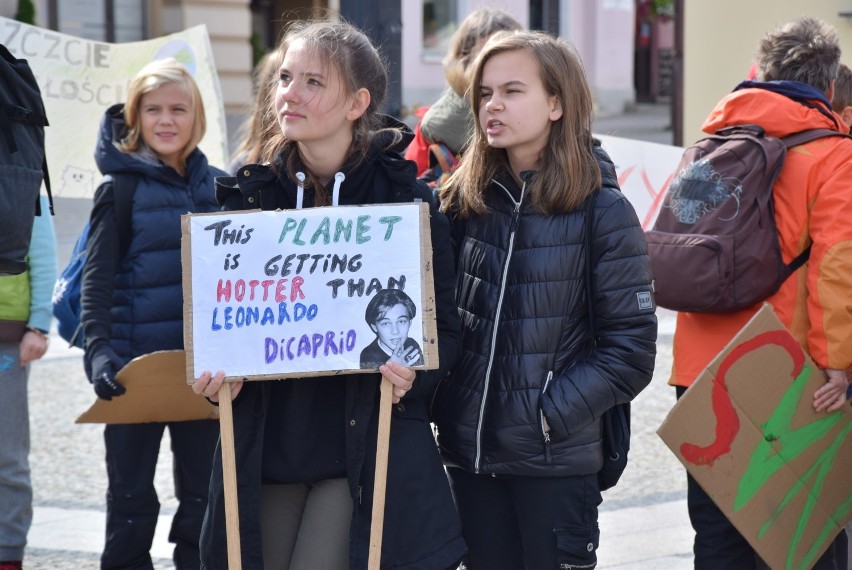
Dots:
{"x": 241, "y": 30}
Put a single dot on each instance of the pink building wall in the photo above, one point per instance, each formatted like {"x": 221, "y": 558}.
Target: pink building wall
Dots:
{"x": 601, "y": 30}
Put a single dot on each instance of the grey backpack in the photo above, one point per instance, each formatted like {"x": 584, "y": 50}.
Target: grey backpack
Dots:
{"x": 22, "y": 160}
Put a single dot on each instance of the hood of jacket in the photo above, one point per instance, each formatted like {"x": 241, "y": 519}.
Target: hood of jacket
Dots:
{"x": 357, "y": 187}
{"x": 780, "y": 107}
{"x": 111, "y": 160}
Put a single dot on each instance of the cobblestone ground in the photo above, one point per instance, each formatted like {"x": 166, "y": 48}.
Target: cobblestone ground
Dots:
{"x": 68, "y": 470}
{"x": 67, "y": 459}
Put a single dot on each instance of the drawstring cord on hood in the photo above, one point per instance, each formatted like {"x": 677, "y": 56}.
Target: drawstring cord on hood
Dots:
{"x": 335, "y": 194}
{"x": 300, "y": 190}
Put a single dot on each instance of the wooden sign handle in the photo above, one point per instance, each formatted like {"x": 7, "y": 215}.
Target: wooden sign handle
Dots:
{"x": 380, "y": 482}
{"x": 229, "y": 476}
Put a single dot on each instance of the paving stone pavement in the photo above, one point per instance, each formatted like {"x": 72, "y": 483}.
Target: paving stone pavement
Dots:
{"x": 69, "y": 475}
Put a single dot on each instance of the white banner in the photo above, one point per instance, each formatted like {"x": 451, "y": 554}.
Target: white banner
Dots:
{"x": 80, "y": 78}
{"x": 644, "y": 171}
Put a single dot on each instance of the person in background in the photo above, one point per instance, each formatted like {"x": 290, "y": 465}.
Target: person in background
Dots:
{"x": 132, "y": 303}
{"x": 24, "y": 325}
{"x": 842, "y": 100}
{"x": 519, "y": 417}
{"x": 448, "y": 121}
{"x": 305, "y": 447}
{"x": 798, "y": 64}
{"x": 260, "y": 124}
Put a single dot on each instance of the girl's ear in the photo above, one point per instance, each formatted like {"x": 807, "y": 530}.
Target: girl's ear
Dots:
{"x": 846, "y": 115}
{"x": 358, "y": 105}
{"x": 555, "y": 108}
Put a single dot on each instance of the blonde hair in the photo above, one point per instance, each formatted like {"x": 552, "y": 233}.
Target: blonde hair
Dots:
{"x": 150, "y": 78}
{"x": 567, "y": 168}
{"x": 479, "y": 25}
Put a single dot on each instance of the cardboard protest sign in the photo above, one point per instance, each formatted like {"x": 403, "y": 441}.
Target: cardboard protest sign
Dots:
{"x": 156, "y": 392}
{"x": 308, "y": 292}
{"x": 79, "y": 79}
{"x": 746, "y": 430}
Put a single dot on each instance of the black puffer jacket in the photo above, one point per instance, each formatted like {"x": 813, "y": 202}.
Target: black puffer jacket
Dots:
{"x": 525, "y": 333}
{"x": 421, "y": 530}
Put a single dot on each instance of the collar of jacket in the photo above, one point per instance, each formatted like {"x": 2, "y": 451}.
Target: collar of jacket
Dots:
{"x": 803, "y": 93}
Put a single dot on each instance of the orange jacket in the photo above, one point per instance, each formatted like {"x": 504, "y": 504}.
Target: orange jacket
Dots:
{"x": 813, "y": 204}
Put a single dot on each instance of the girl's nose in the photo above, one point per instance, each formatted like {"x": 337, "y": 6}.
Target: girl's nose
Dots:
{"x": 493, "y": 103}
{"x": 288, "y": 92}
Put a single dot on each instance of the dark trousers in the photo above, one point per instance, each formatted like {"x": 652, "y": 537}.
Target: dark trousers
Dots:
{"x": 537, "y": 523}
{"x": 132, "y": 504}
{"x": 718, "y": 544}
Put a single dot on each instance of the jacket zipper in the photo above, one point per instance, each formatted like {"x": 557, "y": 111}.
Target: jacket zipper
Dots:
{"x": 513, "y": 228}
{"x": 548, "y": 455}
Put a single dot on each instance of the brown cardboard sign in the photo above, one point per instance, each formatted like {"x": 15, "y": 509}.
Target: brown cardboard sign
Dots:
{"x": 156, "y": 392}
{"x": 746, "y": 430}
{"x": 309, "y": 292}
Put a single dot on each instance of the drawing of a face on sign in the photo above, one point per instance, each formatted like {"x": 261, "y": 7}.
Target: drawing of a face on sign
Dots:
{"x": 389, "y": 315}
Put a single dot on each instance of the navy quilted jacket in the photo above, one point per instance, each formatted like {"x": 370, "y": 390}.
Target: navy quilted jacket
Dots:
{"x": 136, "y": 301}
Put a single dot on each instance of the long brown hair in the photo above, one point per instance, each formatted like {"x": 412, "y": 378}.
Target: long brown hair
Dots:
{"x": 345, "y": 48}
{"x": 261, "y": 124}
{"x": 567, "y": 169}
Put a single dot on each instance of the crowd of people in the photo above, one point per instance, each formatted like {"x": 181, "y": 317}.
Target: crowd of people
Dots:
{"x": 538, "y": 261}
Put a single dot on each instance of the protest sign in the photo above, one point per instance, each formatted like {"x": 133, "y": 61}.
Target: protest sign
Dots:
{"x": 645, "y": 171}
{"x": 79, "y": 79}
{"x": 288, "y": 294}
{"x": 156, "y": 392}
{"x": 747, "y": 432}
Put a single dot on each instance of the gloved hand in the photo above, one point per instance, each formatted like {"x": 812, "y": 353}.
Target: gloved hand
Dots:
{"x": 104, "y": 365}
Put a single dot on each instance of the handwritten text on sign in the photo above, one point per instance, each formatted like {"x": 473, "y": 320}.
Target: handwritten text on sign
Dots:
{"x": 289, "y": 293}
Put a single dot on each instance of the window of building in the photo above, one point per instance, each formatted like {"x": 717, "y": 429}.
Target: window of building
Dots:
{"x": 100, "y": 20}
{"x": 439, "y": 23}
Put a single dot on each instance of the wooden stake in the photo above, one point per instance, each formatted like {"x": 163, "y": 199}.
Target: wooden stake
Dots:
{"x": 380, "y": 482}
{"x": 229, "y": 476}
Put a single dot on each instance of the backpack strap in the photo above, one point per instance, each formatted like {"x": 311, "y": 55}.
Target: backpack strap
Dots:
{"x": 123, "y": 187}
{"x": 803, "y": 137}
{"x": 796, "y": 139}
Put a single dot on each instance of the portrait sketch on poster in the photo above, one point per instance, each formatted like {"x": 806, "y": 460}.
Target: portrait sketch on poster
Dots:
{"x": 311, "y": 292}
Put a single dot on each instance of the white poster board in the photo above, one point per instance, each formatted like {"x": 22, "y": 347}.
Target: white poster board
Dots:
{"x": 645, "y": 170}
{"x": 287, "y": 293}
{"x": 79, "y": 79}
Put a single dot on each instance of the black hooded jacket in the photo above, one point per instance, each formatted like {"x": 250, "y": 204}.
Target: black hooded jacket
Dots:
{"x": 525, "y": 333}
{"x": 421, "y": 529}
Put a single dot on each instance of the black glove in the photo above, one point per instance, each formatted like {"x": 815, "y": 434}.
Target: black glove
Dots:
{"x": 104, "y": 365}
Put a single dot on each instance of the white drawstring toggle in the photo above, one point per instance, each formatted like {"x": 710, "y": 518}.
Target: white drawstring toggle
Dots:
{"x": 300, "y": 190}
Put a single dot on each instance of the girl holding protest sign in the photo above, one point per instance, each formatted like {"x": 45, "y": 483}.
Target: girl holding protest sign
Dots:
{"x": 132, "y": 300}
{"x": 520, "y": 422}
{"x": 305, "y": 447}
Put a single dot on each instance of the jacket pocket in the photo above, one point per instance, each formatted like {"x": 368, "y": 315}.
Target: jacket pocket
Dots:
{"x": 576, "y": 548}
{"x": 545, "y": 428}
